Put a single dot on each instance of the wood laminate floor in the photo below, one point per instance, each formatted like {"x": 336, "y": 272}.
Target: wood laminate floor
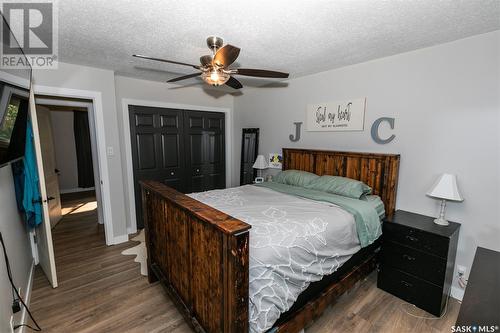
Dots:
{"x": 101, "y": 290}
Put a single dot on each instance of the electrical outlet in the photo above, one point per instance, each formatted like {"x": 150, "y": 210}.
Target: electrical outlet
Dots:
{"x": 461, "y": 270}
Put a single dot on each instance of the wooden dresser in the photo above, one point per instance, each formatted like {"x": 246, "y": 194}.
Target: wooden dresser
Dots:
{"x": 417, "y": 260}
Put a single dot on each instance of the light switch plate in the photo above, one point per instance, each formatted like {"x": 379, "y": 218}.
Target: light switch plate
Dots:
{"x": 110, "y": 151}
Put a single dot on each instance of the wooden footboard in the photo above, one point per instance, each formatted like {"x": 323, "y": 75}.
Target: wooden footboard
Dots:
{"x": 200, "y": 255}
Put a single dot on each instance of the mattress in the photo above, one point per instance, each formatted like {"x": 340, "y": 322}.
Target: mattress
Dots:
{"x": 293, "y": 242}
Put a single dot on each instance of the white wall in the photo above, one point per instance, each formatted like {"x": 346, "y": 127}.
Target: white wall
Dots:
{"x": 17, "y": 243}
{"x": 446, "y": 103}
{"x": 64, "y": 137}
{"x": 103, "y": 81}
{"x": 157, "y": 94}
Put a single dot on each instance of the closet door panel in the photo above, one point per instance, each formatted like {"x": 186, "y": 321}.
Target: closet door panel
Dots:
{"x": 146, "y": 151}
{"x": 215, "y": 168}
{"x": 171, "y": 121}
{"x": 215, "y": 123}
{"x": 196, "y": 149}
{"x": 195, "y": 120}
{"x": 157, "y": 149}
{"x": 144, "y": 120}
{"x": 216, "y": 149}
{"x": 171, "y": 150}
{"x": 205, "y": 150}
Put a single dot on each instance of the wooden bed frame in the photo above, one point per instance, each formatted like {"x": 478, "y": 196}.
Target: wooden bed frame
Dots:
{"x": 201, "y": 255}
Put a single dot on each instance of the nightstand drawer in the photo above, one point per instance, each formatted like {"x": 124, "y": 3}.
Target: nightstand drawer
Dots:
{"x": 416, "y": 239}
{"x": 425, "y": 295}
{"x": 417, "y": 263}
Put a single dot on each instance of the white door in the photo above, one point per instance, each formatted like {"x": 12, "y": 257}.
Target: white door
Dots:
{"x": 95, "y": 164}
{"x": 43, "y": 231}
{"x": 49, "y": 164}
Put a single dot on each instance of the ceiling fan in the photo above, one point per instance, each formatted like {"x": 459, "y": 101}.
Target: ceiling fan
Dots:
{"x": 214, "y": 68}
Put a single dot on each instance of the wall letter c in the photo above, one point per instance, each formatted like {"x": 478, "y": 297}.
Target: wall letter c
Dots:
{"x": 374, "y": 130}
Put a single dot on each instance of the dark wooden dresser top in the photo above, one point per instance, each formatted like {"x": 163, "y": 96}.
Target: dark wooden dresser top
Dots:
{"x": 481, "y": 303}
{"x": 423, "y": 222}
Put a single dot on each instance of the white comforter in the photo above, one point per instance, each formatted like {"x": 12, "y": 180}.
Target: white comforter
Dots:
{"x": 293, "y": 242}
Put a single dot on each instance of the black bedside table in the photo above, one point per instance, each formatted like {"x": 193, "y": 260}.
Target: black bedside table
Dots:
{"x": 417, "y": 260}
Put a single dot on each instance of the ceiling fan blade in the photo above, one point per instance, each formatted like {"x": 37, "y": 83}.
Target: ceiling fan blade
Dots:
{"x": 260, "y": 73}
{"x": 206, "y": 60}
{"x": 165, "y": 60}
{"x": 184, "y": 77}
{"x": 226, "y": 55}
{"x": 233, "y": 83}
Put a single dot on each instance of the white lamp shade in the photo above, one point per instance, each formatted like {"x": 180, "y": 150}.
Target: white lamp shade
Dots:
{"x": 446, "y": 188}
{"x": 260, "y": 162}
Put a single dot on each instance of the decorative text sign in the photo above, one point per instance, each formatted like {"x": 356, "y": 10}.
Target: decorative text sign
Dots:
{"x": 346, "y": 115}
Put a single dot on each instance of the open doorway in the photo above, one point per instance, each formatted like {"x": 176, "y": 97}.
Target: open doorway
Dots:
{"x": 71, "y": 169}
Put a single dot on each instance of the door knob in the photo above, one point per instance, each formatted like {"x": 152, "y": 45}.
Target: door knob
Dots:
{"x": 172, "y": 173}
{"x": 40, "y": 200}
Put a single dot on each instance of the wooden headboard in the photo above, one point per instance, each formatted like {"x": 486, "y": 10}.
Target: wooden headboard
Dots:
{"x": 379, "y": 171}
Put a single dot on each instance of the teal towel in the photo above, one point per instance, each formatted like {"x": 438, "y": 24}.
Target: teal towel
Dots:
{"x": 31, "y": 196}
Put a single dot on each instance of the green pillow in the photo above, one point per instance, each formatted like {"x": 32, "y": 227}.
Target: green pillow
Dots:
{"x": 346, "y": 187}
{"x": 295, "y": 177}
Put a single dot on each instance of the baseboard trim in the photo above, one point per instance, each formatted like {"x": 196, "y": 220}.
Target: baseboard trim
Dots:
{"x": 120, "y": 239}
{"x": 457, "y": 293}
{"x": 78, "y": 189}
{"x": 27, "y": 296}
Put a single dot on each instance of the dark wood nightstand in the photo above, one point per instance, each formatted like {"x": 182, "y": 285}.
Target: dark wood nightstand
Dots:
{"x": 417, "y": 260}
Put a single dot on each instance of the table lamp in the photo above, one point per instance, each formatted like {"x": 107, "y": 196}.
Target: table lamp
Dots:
{"x": 445, "y": 188}
{"x": 260, "y": 164}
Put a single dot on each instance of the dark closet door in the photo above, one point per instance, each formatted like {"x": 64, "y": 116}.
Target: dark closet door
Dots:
{"x": 205, "y": 150}
{"x": 249, "y": 151}
{"x": 157, "y": 149}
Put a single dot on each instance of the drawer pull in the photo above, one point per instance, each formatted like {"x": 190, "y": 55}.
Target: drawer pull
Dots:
{"x": 406, "y": 284}
{"x": 409, "y": 258}
{"x": 410, "y": 238}
{"x": 172, "y": 173}
{"x": 197, "y": 170}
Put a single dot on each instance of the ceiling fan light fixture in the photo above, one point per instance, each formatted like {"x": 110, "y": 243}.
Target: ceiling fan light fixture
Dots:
{"x": 215, "y": 69}
{"x": 215, "y": 77}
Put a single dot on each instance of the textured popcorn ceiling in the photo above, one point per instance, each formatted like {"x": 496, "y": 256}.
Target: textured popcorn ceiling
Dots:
{"x": 300, "y": 37}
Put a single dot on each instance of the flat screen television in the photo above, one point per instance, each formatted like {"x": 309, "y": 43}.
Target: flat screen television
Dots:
{"x": 14, "y": 106}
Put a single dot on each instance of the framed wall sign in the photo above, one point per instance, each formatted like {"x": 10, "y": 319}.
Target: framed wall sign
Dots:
{"x": 275, "y": 160}
{"x": 348, "y": 115}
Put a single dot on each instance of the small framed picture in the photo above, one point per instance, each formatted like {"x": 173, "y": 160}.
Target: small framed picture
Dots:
{"x": 275, "y": 160}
